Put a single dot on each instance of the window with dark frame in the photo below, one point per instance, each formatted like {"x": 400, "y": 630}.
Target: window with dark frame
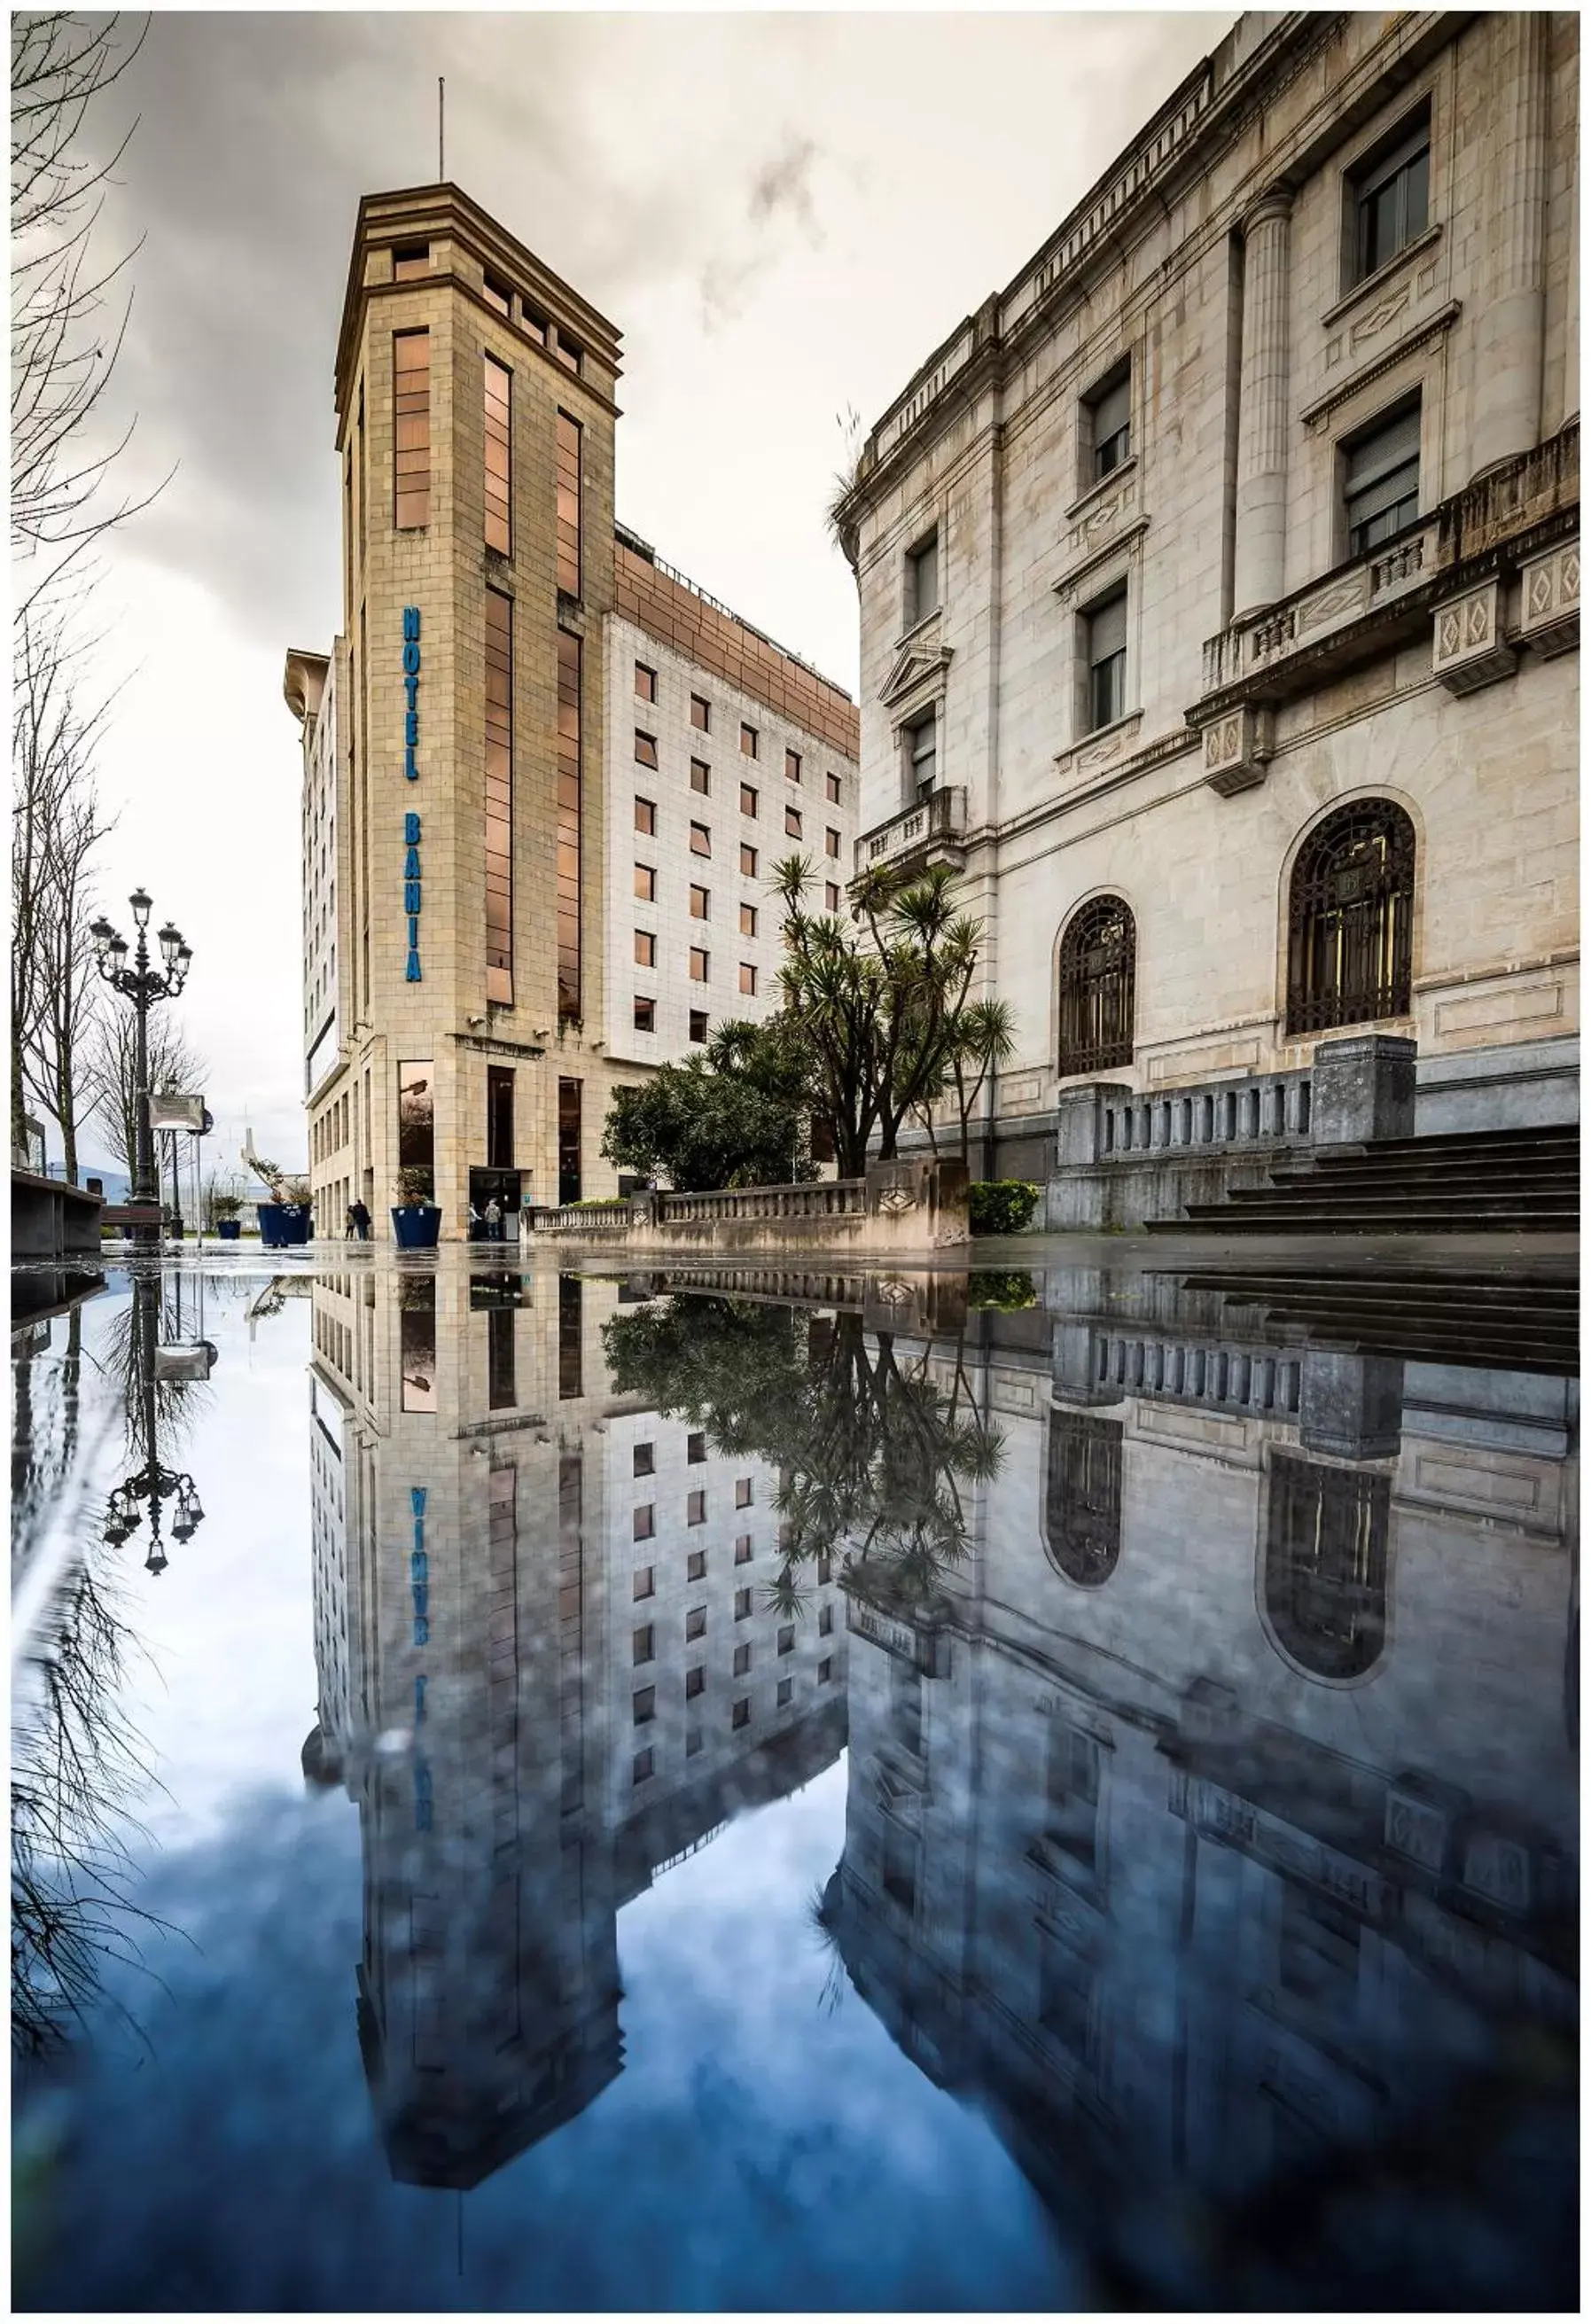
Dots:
{"x": 646, "y": 883}
{"x": 566, "y": 465}
{"x": 498, "y": 296}
{"x": 698, "y": 965}
{"x": 831, "y": 842}
{"x": 743, "y": 1549}
{"x": 700, "y": 777}
{"x": 411, "y": 430}
{"x": 646, "y": 749}
{"x": 644, "y": 1583}
{"x": 645, "y": 948}
{"x": 747, "y": 861}
{"x": 793, "y": 765}
{"x": 696, "y": 1565}
{"x": 921, "y": 739}
{"x": 641, "y": 1765}
{"x": 831, "y": 896}
{"x": 700, "y": 902}
{"x": 642, "y": 1460}
{"x": 833, "y": 789}
{"x": 740, "y": 1715}
{"x": 1098, "y": 965}
{"x": 695, "y": 1508}
{"x": 1105, "y": 627}
{"x": 742, "y": 1605}
{"x": 741, "y": 1663}
{"x": 748, "y": 977}
{"x": 792, "y": 823}
{"x": 643, "y": 1706}
{"x": 695, "y": 1623}
{"x": 1390, "y": 190}
{"x": 1350, "y": 941}
{"x": 696, "y": 1446}
{"x": 747, "y": 740}
{"x": 643, "y": 1523}
{"x": 923, "y": 580}
{"x": 642, "y": 1642}
{"x": 696, "y": 1682}
{"x": 646, "y": 817}
{"x": 698, "y": 1025}
{"x": 1381, "y": 480}
{"x": 748, "y": 799}
{"x": 1109, "y": 410}
{"x": 701, "y": 714}
{"x": 747, "y": 919}
{"x": 412, "y": 262}
{"x": 498, "y": 387}
{"x": 646, "y": 683}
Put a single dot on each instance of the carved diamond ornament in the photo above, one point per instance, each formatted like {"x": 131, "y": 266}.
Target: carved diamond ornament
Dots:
{"x": 1549, "y": 600}
{"x": 1237, "y": 747}
{"x": 1467, "y": 648}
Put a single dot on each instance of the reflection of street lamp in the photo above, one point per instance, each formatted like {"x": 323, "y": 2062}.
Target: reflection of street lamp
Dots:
{"x": 152, "y": 1482}
{"x": 144, "y": 986}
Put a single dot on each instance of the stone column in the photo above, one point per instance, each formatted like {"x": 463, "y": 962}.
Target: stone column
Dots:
{"x": 1508, "y": 355}
{"x": 1262, "y": 417}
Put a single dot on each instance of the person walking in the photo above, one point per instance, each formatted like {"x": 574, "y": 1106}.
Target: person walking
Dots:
{"x": 359, "y": 1221}
{"x": 494, "y": 1220}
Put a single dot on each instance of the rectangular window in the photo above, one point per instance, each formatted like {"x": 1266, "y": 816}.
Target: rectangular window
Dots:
{"x": 698, "y": 1025}
{"x": 646, "y": 1014}
{"x": 643, "y": 1706}
{"x": 570, "y": 778}
{"x": 642, "y": 1641}
{"x": 698, "y": 966}
{"x": 692, "y": 1741}
{"x": 410, "y": 262}
{"x": 696, "y": 1446}
{"x": 641, "y": 1765}
{"x": 569, "y": 1148}
{"x": 699, "y": 902}
{"x": 568, "y": 351}
{"x": 499, "y": 437}
{"x": 832, "y": 843}
{"x": 748, "y": 977}
{"x": 500, "y": 798}
{"x": 747, "y": 861}
{"x": 793, "y": 765}
{"x": 1106, "y": 630}
{"x": 696, "y": 1682}
{"x": 416, "y": 1117}
{"x": 747, "y": 740}
{"x": 645, "y": 682}
{"x": 786, "y": 1688}
{"x": 571, "y": 1294}
{"x": 792, "y": 823}
{"x": 533, "y": 325}
{"x": 831, "y": 896}
{"x": 742, "y": 1492}
{"x": 742, "y": 1662}
{"x": 695, "y": 1623}
{"x": 497, "y": 294}
{"x": 923, "y": 580}
{"x": 695, "y": 1508}
{"x": 646, "y": 749}
{"x": 696, "y": 1565}
{"x": 646, "y": 817}
{"x": 1391, "y": 194}
{"x": 825, "y": 1621}
{"x": 701, "y": 714}
{"x": 645, "y": 948}
{"x": 411, "y": 429}
{"x": 743, "y": 1549}
{"x": 500, "y": 1395}
{"x": 742, "y": 1605}
{"x": 825, "y": 1670}
{"x": 646, "y": 883}
{"x": 832, "y": 789}
{"x": 500, "y": 1117}
{"x": 1109, "y": 423}
{"x": 1381, "y": 480}
{"x": 748, "y": 799}
{"x": 740, "y": 1715}
{"x": 701, "y": 840}
{"x": 567, "y": 465}
{"x": 700, "y": 778}
{"x": 643, "y": 1525}
{"x": 642, "y": 1461}
{"x": 747, "y": 919}
{"x": 920, "y": 755}
{"x": 787, "y": 1638}
{"x": 644, "y": 1583}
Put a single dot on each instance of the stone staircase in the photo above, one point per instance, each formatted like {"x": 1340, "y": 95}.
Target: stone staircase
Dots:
{"x": 1478, "y": 1182}
{"x": 1525, "y": 1321}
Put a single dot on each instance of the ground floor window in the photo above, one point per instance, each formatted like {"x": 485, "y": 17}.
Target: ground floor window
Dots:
{"x": 1099, "y": 955}
{"x": 1350, "y": 946}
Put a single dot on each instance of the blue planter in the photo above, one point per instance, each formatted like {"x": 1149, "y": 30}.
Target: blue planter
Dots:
{"x": 229, "y": 1229}
{"x": 274, "y": 1218}
{"x": 301, "y": 1221}
{"x": 416, "y": 1226}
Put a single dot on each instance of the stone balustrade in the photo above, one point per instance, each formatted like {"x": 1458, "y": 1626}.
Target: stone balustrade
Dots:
{"x": 895, "y": 1208}
{"x": 933, "y": 832}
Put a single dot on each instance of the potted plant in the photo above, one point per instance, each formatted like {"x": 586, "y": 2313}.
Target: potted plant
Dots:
{"x": 299, "y": 1219}
{"x": 224, "y": 1211}
{"x": 416, "y": 1220}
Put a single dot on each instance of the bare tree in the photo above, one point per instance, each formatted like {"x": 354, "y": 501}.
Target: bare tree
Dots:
{"x": 67, "y": 327}
{"x": 111, "y": 1074}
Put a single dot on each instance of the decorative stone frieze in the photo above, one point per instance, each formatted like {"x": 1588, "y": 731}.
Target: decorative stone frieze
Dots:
{"x": 1236, "y": 749}
{"x": 1467, "y": 649}
{"x": 1549, "y": 600}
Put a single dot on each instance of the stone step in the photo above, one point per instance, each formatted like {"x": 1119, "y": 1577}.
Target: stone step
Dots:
{"x": 1387, "y": 1218}
{"x": 1556, "y": 1137}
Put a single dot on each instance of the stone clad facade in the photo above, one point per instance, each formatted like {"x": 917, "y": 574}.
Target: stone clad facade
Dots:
{"x": 476, "y": 883}
{"x": 1254, "y": 496}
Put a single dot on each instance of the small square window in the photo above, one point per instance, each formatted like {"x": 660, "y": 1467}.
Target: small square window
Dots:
{"x": 698, "y": 966}
{"x": 646, "y": 883}
{"x": 747, "y": 861}
{"x": 743, "y": 1549}
{"x": 646, "y": 817}
{"x": 641, "y": 1644}
{"x": 696, "y": 1565}
{"x": 646, "y": 1013}
{"x": 696, "y": 1682}
{"x": 792, "y": 823}
{"x": 646, "y": 749}
{"x": 696, "y": 1445}
{"x": 698, "y": 1024}
{"x": 409, "y": 263}
{"x": 701, "y": 714}
{"x": 747, "y": 740}
{"x": 825, "y": 1621}
{"x": 832, "y": 790}
{"x": 699, "y": 904}
{"x": 643, "y": 1706}
{"x": 533, "y": 325}
{"x": 787, "y": 1638}
{"x": 696, "y": 1623}
{"x": 825, "y": 1670}
{"x": 1105, "y": 628}
{"x": 747, "y": 798}
{"x": 701, "y": 840}
{"x": 747, "y": 919}
{"x": 825, "y": 1567}
{"x": 786, "y": 1689}
{"x": 641, "y": 1766}
{"x": 742, "y": 1492}
{"x": 742, "y": 1662}
{"x": 923, "y": 580}
{"x": 642, "y": 1461}
{"x": 748, "y": 977}
{"x": 740, "y": 1715}
{"x": 642, "y": 1585}
{"x": 641, "y": 1525}
{"x": 700, "y": 777}
{"x": 793, "y": 765}
{"x": 742, "y": 1605}
{"x": 498, "y": 296}
{"x": 645, "y": 682}
{"x": 568, "y": 352}
{"x": 692, "y": 1741}
{"x": 1109, "y": 423}
{"x": 832, "y": 843}
{"x": 695, "y": 1508}
{"x": 646, "y": 949}
{"x": 831, "y": 896}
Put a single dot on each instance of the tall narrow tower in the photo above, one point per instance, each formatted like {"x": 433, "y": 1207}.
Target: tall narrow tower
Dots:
{"x": 474, "y": 396}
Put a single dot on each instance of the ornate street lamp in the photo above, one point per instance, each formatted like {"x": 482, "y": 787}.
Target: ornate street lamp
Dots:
{"x": 151, "y": 1483}
{"x": 143, "y": 985}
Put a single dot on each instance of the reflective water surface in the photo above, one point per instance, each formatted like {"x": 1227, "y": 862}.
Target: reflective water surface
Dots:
{"x": 1005, "y": 1791}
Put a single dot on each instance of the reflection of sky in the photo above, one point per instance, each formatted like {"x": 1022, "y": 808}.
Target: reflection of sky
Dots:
{"x": 760, "y": 2148}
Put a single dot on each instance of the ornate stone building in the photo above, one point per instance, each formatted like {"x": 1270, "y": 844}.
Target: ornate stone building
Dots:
{"x": 546, "y": 777}
{"x": 1219, "y": 585}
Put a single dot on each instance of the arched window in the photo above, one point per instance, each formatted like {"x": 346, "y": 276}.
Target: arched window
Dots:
{"x": 1350, "y": 920}
{"x": 1082, "y": 1496}
{"x": 1325, "y": 1565}
{"x": 1096, "y": 961}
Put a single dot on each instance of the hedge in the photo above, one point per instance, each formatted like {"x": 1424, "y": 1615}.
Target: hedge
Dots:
{"x": 1001, "y": 1206}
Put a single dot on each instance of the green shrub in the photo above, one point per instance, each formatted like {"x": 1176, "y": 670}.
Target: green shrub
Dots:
{"x": 1001, "y": 1206}
{"x": 1008, "y": 1288}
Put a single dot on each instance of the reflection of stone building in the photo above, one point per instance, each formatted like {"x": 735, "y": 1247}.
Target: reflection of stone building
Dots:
{"x": 528, "y": 1735}
{"x": 1231, "y": 1809}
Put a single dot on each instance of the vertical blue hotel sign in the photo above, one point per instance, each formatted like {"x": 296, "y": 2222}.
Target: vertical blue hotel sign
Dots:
{"x": 411, "y": 821}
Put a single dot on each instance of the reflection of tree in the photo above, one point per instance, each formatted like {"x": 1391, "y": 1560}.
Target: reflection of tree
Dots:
{"x": 160, "y": 1413}
{"x": 45, "y": 1422}
{"x": 874, "y": 1452}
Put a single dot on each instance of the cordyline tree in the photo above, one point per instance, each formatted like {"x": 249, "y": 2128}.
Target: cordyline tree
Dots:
{"x": 875, "y": 1009}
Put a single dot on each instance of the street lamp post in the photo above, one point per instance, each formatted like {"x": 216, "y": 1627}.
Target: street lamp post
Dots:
{"x": 143, "y": 985}
{"x": 151, "y": 1483}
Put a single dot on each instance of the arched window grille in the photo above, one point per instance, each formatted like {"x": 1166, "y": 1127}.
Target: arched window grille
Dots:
{"x": 1325, "y": 1565}
{"x": 1098, "y": 956}
{"x": 1082, "y": 1496}
{"x": 1351, "y": 919}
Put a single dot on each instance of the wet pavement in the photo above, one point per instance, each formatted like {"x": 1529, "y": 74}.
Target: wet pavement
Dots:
{"x": 559, "y": 1784}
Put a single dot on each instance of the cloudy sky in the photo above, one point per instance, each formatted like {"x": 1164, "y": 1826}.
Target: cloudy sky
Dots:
{"x": 783, "y": 213}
